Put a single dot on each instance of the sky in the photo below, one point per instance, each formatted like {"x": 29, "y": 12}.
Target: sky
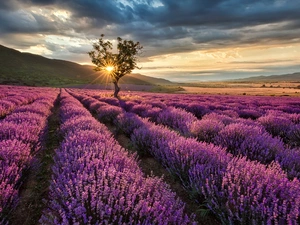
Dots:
{"x": 184, "y": 40}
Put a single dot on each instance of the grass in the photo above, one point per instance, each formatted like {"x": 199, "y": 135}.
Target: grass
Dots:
{"x": 166, "y": 89}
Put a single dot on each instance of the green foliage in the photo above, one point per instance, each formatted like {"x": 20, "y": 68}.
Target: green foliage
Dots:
{"x": 167, "y": 88}
{"x": 121, "y": 63}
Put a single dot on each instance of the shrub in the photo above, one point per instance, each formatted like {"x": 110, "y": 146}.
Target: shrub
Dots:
{"x": 276, "y": 125}
{"x": 206, "y": 129}
{"x": 177, "y": 119}
{"x": 255, "y": 194}
{"x": 250, "y": 141}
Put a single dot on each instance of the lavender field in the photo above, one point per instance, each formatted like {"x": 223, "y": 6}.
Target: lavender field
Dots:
{"x": 237, "y": 158}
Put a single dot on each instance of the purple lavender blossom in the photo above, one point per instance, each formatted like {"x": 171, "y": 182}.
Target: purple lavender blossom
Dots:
{"x": 294, "y": 136}
{"x": 220, "y": 117}
{"x": 197, "y": 109}
{"x": 141, "y": 109}
{"x": 249, "y": 114}
{"x": 177, "y": 119}
{"x": 295, "y": 118}
{"x": 108, "y": 113}
{"x": 20, "y": 136}
{"x": 250, "y": 141}
{"x": 95, "y": 181}
{"x": 289, "y": 160}
{"x": 206, "y": 129}
{"x": 276, "y": 125}
{"x": 127, "y": 123}
{"x": 255, "y": 194}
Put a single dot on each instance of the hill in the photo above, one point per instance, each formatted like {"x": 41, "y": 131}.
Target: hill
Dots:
{"x": 294, "y": 77}
{"x": 35, "y": 70}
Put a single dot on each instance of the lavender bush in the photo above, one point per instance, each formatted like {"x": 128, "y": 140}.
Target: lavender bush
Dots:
{"x": 250, "y": 141}
{"x": 177, "y": 119}
{"x": 197, "y": 109}
{"x": 20, "y": 137}
{"x": 255, "y": 194}
{"x": 206, "y": 129}
{"x": 289, "y": 161}
{"x": 237, "y": 190}
{"x": 95, "y": 181}
{"x": 276, "y": 125}
{"x": 178, "y": 154}
{"x": 294, "y": 136}
{"x": 108, "y": 113}
{"x": 127, "y": 122}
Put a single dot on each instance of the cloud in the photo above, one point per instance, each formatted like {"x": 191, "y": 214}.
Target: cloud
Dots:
{"x": 102, "y": 12}
{"x": 22, "y": 41}
{"x": 162, "y": 26}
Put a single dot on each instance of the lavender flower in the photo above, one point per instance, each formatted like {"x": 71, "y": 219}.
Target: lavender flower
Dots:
{"x": 250, "y": 141}
{"x": 254, "y": 194}
{"x": 95, "y": 181}
{"x": 206, "y": 129}
{"x": 20, "y": 136}
{"x": 276, "y": 125}
{"x": 294, "y": 136}
{"x": 176, "y": 119}
{"x": 127, "y": 123}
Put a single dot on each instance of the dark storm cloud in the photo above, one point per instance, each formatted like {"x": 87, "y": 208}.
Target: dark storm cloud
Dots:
{"x": 108, "y": 11}
{"x": 17, "y": 4}
{"x": 162, "y": 26}
{"x": 220, "y": 13}
{"x": 22, "y": 22}
{"x": 36, "y": 2}
{"x": 210, "y": 23}
{"x": 40, "y": 2}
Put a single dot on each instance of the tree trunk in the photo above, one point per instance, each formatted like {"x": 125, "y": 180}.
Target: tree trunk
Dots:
{"x": 117, "y": 89}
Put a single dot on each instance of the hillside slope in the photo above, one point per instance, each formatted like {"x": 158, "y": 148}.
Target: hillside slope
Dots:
{"x": 35, "y": 70}
{"x": 294, "y": 77}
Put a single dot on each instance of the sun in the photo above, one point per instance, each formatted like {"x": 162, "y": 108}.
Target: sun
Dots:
{"x": 109, "y": 68}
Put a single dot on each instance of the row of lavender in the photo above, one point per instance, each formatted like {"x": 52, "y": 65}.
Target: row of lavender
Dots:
{"x": 280, "y": 116}
{"x": 239, "y": 104}
{"x": 95, "y": 181}
{"x": 235, "y": 188}
{"x": 12, "y": 97}
{"x": 239, "y": 136}
{"x": 20, "y": 137}
{"x": 275, "y": 114}
{"x": 200, "y": 105}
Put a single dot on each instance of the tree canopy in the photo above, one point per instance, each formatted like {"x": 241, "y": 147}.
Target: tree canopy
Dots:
{"x": 115, "y": 64}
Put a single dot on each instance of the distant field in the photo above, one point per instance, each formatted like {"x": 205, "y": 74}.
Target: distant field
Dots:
{"x": 267, "y": 89}
{"x": 132, "y": 87}
{"x": 219, "y": 88}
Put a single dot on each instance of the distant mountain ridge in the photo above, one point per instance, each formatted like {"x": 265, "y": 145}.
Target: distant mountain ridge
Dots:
{"x": 294, "y": 77}
{"x": 34, "y": 70}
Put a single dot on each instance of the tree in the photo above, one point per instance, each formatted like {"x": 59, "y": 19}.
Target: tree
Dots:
{"x": 116, "y": 65}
